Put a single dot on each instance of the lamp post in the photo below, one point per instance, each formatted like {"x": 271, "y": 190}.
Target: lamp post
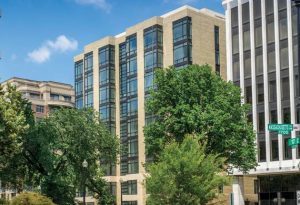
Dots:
{"x": 121, "y": 181}
{"x": 84, "y": 165}
{"x": 297, "y": 4}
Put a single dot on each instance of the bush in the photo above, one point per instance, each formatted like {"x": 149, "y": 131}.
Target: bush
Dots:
{"x": 3, "y": 202}
{"x": 31, "y": 198}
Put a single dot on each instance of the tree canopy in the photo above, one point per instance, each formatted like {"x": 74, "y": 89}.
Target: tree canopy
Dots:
{"x": 195, "y": 100}
{"x": 185, "y": 174}
{"x": 57, "y": 147}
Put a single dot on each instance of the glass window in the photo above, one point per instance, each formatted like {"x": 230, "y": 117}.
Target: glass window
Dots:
{"x": 246, "y": 36}
{"x": 131, "y": 66}
{"x": 249, "y": 94}
{"x": 89, "y": 99}
{"x": 133, "y": 166}
{"x": 153, "y": 37}
{"x": 107, "y": 113}
{"x": 261, "y": 122}
{"x": 259, "y": 61}
{"x": 78, "y": 87}
{"x": 283, "y": 25}
{"x": 245, "y": 12}
{"x": 123, "y": 80}
{"x": 39, "y": 108}
{"x": 234, "y": 17}
{"x": 148, "y": 81}
{"x": 88, "y": 81}
{"x": 78, "y": 69}
{"x": 257, "y": 8}
{"x": 132, "y": 106}
{"x": 236, "y": 68}
{"x": 285, "y": 88}
{"x": 132, "y": 127}
{"x": 53, "y": 96}
{"x": 107, "y": 94}
{"x": 258, "y": 33}
{"x": 79, "y": 102}
{"x": 260, "y": 93}
{"x": 281, "y": 4}
{"x": 182, "y": 53}
{"x": 270, "y": 29}
{"x": 287, "y": 149}
{"x": 131, "y": 45}
{"x": 247, "y": 65}
{"x": 269, "y": 6}
{"x": 271, "y": 58}
{"x": 286, "y": 115}
{"x": 182, "y": 29}
{"x": 273, "y": 116}
{"x": 272, "y": 91}
{"x": 133, "y": 148}
{"x": 274, "y": 150}
{"x": 153, "y": 59}
{"x": 235, "y": 41}
{"x": 88, "y": 62}
{"x": 262, "y": 151}
{"x": 104, "y": 56}
{"x": 132, "y": 187}
{"x": 132, "y": 86}
{"x": 284, "y": 54}
{"x": 107, "y": 75}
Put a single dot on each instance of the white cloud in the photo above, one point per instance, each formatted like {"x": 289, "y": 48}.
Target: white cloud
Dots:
{"x": 101, "y": 4}
{"x": 63, "y": 44}
{"x": 40, "y": 55}
{"x": 43, "y": 53}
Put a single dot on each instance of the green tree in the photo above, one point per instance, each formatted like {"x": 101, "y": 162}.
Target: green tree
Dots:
{"x": 57, "y": 147}
{"x": 31, "y": 198}
{"x": 184, "y": 174}
{"x": 196, "y": 100}
{"x": 16, "y": 117}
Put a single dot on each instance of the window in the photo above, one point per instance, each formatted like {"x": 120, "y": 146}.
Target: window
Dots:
{"x": 131, "y": 66}
{"x": 88, "y": 62}
{"x": 260, "y": 93}
{"x": 285, "y": 89}
{"x": 247, "y": 65}
{"x": 235, "y": 41}
{"x": 284, "y": 54}
{"x": 89, "y": 99}
{"x": 245, "y": 12}
{"x": 259, "y": 61}
{"x": 107, "y": 94}
{"x": 88, "y": 81}
{"x": 287, "y": 149}
{"x": 270, "y": 29}
{"x": 257, "y": 8}
{"x": 107, "y": 75}
{"x": 39, "y": 108}
{"x": 153, "y": 59}
{"x": 269, "y": 6}
{"x": 182, "y": 53}
{"x": 132, "y": 148}
{"x": 79, "y": 102}
{"x": 153, "y": 36}
{"x": 261, "y": 122}
{"x": 274, "y": 149}
{"x": 217, "y": 49}
{"x": 258, "y": 33}
{"x": 131, "y": 45}
{"x": 286, "y": 115}
{"x": 234, "y": 16}
{"x": 182, "y": 29}
{"x": 54, "y": 96}
{"x": 283, "y": 24}
{"x": 246, "y": 36}
{"x": 255, "y": 191}
{"x": 106, "y": 55}
{"x": 236, "y": 68}
{"x": 249, "y": 94}
{"x": 123, "y": 109}
{"x": 123, "y": 80}
{"x": 132, "y": 86}
{"x": 271, "y": 58}
{"x": 107, "y": 113}
{"x": 133, "y": 166}
{"x": 132, "y": 127}
{"x": 273, "y": 116}
{"x": 132, "y": 106}
{"x": 262, "y": 151}
{"x": 78, "y": 87}
{"x": 78, "y": 69}
{"x": 272, "y": 91}
{"x": 132, "y": 187}
{"x": 148, "y": 81}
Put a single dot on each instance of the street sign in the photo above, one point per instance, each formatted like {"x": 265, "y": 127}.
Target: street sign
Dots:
{"x": 298, "y": 197}
{"x": 296, "y": 127}
{"x": 293, "y": 142}
{"x": 283, "y": 129}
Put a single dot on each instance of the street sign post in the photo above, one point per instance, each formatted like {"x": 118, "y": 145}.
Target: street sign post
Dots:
{"x": 283, "y": 129}
{"x": 298, "y": 197}
{"x": 294, "y": 142}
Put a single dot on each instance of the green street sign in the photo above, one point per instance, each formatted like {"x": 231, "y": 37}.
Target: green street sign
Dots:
{"x": 293, "y": 142}
{"x": 283, "y": 129}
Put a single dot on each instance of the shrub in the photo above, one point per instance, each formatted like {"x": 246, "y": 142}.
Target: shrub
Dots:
{"x": 31, "y": 198}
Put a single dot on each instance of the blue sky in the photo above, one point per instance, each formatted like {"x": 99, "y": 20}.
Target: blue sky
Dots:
{"x": 38, "y": 38}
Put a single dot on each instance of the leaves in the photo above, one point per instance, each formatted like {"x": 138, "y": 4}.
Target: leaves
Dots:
{"x": 30, "y": 198}
{"x": 195, "y": 100}
{"x": 184, "y": 174}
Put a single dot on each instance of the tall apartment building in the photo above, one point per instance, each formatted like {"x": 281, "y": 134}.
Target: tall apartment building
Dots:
{"x": 262, "y": 59}
{"x": 113, "y": 75}
{"x": 44, "y": 95}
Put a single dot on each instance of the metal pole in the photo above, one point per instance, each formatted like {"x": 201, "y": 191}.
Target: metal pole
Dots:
{"x": 297, "y": 4}
{"x": 84, "y": 193}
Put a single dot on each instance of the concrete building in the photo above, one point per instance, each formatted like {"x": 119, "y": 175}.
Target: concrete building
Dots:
{"x": 44, "y": 95}
{"x": 113, "y": 75}
{"x": 262, "y": 59}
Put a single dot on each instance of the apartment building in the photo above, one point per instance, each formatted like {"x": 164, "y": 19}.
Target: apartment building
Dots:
{"x": 44, "y": 95}
{"x": 114, "y": 74}
{"x": 262, "y": 59}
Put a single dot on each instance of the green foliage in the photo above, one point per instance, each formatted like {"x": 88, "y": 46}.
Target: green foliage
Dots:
{"x": 196, "y": 100}
{"x": 184, "y": 174}
{"x": 57, "y": 146}
{"x": 30, "y": 198}
{"x": 16, "y": 117}
{"x": 4, "y": 202}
